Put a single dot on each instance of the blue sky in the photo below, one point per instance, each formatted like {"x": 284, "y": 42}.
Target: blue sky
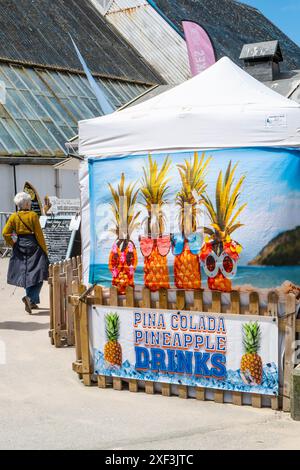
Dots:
{"x": 284, "y": 13}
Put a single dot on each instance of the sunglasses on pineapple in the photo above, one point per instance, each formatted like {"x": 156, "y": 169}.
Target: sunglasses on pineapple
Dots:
{"x": 194, "y": 241}
{"x": 213, "y": 263}
{"x": 123, "y": 254}
{"x": 163, "y": 245}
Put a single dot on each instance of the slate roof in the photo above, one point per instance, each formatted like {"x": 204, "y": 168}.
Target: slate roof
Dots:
{"x": 36, "y": 32}
{"x": 231, "y": 24}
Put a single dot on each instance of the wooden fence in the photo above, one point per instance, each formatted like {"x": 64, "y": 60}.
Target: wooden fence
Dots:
{"x": 289, "y": 326}
{"x": 62, "y": 276}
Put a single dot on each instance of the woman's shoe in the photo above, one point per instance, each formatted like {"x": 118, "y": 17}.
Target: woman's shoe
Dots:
{"x": 27, "y": 303}
{"x": 34, "y": 306}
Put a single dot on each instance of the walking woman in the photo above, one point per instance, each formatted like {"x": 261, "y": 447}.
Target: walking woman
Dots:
{"x": 28, "y": 265}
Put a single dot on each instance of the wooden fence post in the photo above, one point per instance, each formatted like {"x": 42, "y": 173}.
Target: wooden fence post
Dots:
{"x": 69, "y": 312}
{"x": 290, "y": 336}
{"x": 50, "y": 282}
{"x": 56, "y": 305}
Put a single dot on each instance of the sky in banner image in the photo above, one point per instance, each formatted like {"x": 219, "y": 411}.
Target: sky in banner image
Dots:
{"x": 269, "y": 195}
{"x": 284, "y": 13}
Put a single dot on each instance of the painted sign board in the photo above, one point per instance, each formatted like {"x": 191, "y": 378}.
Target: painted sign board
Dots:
{"x": 60, "y": 233}
{"x": 217, "y": 351}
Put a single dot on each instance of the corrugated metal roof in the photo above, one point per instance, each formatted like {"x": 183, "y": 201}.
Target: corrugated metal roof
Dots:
{"x": 36, "y": 32}
{"x": 43, "y": 107}
{"x": 287, "y": 85}
{"x": 231, "y": 24}
{"x": 151, "y": 36}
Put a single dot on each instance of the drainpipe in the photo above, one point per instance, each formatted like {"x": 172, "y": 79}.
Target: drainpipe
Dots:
{"x": 13, "y": 165}
{"x": 57, "y": 184}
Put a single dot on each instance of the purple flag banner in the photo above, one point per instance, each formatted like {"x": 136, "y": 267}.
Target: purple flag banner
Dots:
{"x": 200, "y": 48}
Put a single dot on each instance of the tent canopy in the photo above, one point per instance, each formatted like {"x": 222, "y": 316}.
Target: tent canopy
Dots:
{"x": 223, "y": 107}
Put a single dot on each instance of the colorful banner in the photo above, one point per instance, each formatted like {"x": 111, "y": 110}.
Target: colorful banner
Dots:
{"x": 219, "y": 219}
{"x": 200, "y": 48}
{"x": 227, "y": 352}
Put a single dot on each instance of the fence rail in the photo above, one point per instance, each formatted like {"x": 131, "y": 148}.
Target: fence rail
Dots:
{"x": 4, "y": 250}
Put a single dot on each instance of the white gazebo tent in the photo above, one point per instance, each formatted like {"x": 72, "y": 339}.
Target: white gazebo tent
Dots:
{"x": 223, "y": 107}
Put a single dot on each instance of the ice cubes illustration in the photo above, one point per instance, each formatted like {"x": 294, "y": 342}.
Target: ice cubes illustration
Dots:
{"x": 234, "y": 380}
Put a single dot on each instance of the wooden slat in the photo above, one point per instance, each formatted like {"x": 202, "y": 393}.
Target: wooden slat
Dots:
{"x": 146, "y": 298}
{"x": 56, "y": 305}
{"x": 163, "y": 299}
{"x": 85, "y": 342}
{"x": 198, "y": 301}
{"x": 217, "y": 308}
{"x": 166, "y": 390}
{"x": 149, "y": 388}
{"x": 101, "y": 381}
{"x": 77, "y": 290}
{"x": 69, "y": 312}
{"x": 216, "y": 302}
{"x": 235, "y": 309}
{"x": 219, "y": 396}
{"x": 180, "y": 300}
{"x": 183, "y": 391}
{"x": 98, "y": 295}
{"x": 77, "y": 367}
{"x": 254, "y": 303}
{"x": 200, "y": 393}
{"x": 273, "y": 300}
{"x": 50, "y": 281}
{"x": 117, "y": 383}
{"x": 290, "y": 329}
{"x": 256, "y": 399}
{"x": 237, "y": 398}
{"x": 235, "y": 303}
{"x": 133, "y": 386}
{"x": 113, "y": 296}
{"x": 129, "y": 297}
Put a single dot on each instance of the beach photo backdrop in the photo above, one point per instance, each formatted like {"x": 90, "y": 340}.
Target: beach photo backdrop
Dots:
{"x": 259, "y": 239}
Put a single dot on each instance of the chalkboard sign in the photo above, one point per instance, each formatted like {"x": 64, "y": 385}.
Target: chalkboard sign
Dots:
{"x": 36, "y": 205}
{"x": 60, "y": 239}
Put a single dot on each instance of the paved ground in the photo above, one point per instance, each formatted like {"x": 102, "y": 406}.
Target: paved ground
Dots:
{"x": 44, "y": 406}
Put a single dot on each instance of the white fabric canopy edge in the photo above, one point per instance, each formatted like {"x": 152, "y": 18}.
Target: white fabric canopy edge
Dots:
{"x": 224, "y": 107}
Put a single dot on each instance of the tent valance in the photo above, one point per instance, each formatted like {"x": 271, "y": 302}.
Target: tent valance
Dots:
{"x": 223, "y": 107}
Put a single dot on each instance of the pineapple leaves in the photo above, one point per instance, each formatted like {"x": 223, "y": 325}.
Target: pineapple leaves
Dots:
{"x": 123, "y": 207}
{"x": 112, "y": 326}
{"x": 251, "y": 337}
{"x": 154, "y": 190}
{"x": 224, "y": 214}
{"x": 192, "y": 175}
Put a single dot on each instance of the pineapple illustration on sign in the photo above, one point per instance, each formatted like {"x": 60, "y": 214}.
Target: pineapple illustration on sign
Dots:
{"x": 123, "y": 256}
{"x": 251, "y": 363}
{"x": 187, "y": 245}
{"x": 220, "y": 253}
{"x": 156, "y": 245}
{"x": 112, "y": 348}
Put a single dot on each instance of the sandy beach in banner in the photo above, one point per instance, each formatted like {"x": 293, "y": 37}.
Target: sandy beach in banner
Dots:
{"x": 44, "y": 406}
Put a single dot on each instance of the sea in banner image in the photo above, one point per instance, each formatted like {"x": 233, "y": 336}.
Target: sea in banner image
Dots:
{"x": 247, "y": 200}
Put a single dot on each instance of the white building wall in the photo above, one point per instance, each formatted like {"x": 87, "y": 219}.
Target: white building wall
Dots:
{"x": 42, "y": 177}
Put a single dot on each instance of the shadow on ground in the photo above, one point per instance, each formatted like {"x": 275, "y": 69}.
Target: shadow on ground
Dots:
{"x": 23, "y": 326}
